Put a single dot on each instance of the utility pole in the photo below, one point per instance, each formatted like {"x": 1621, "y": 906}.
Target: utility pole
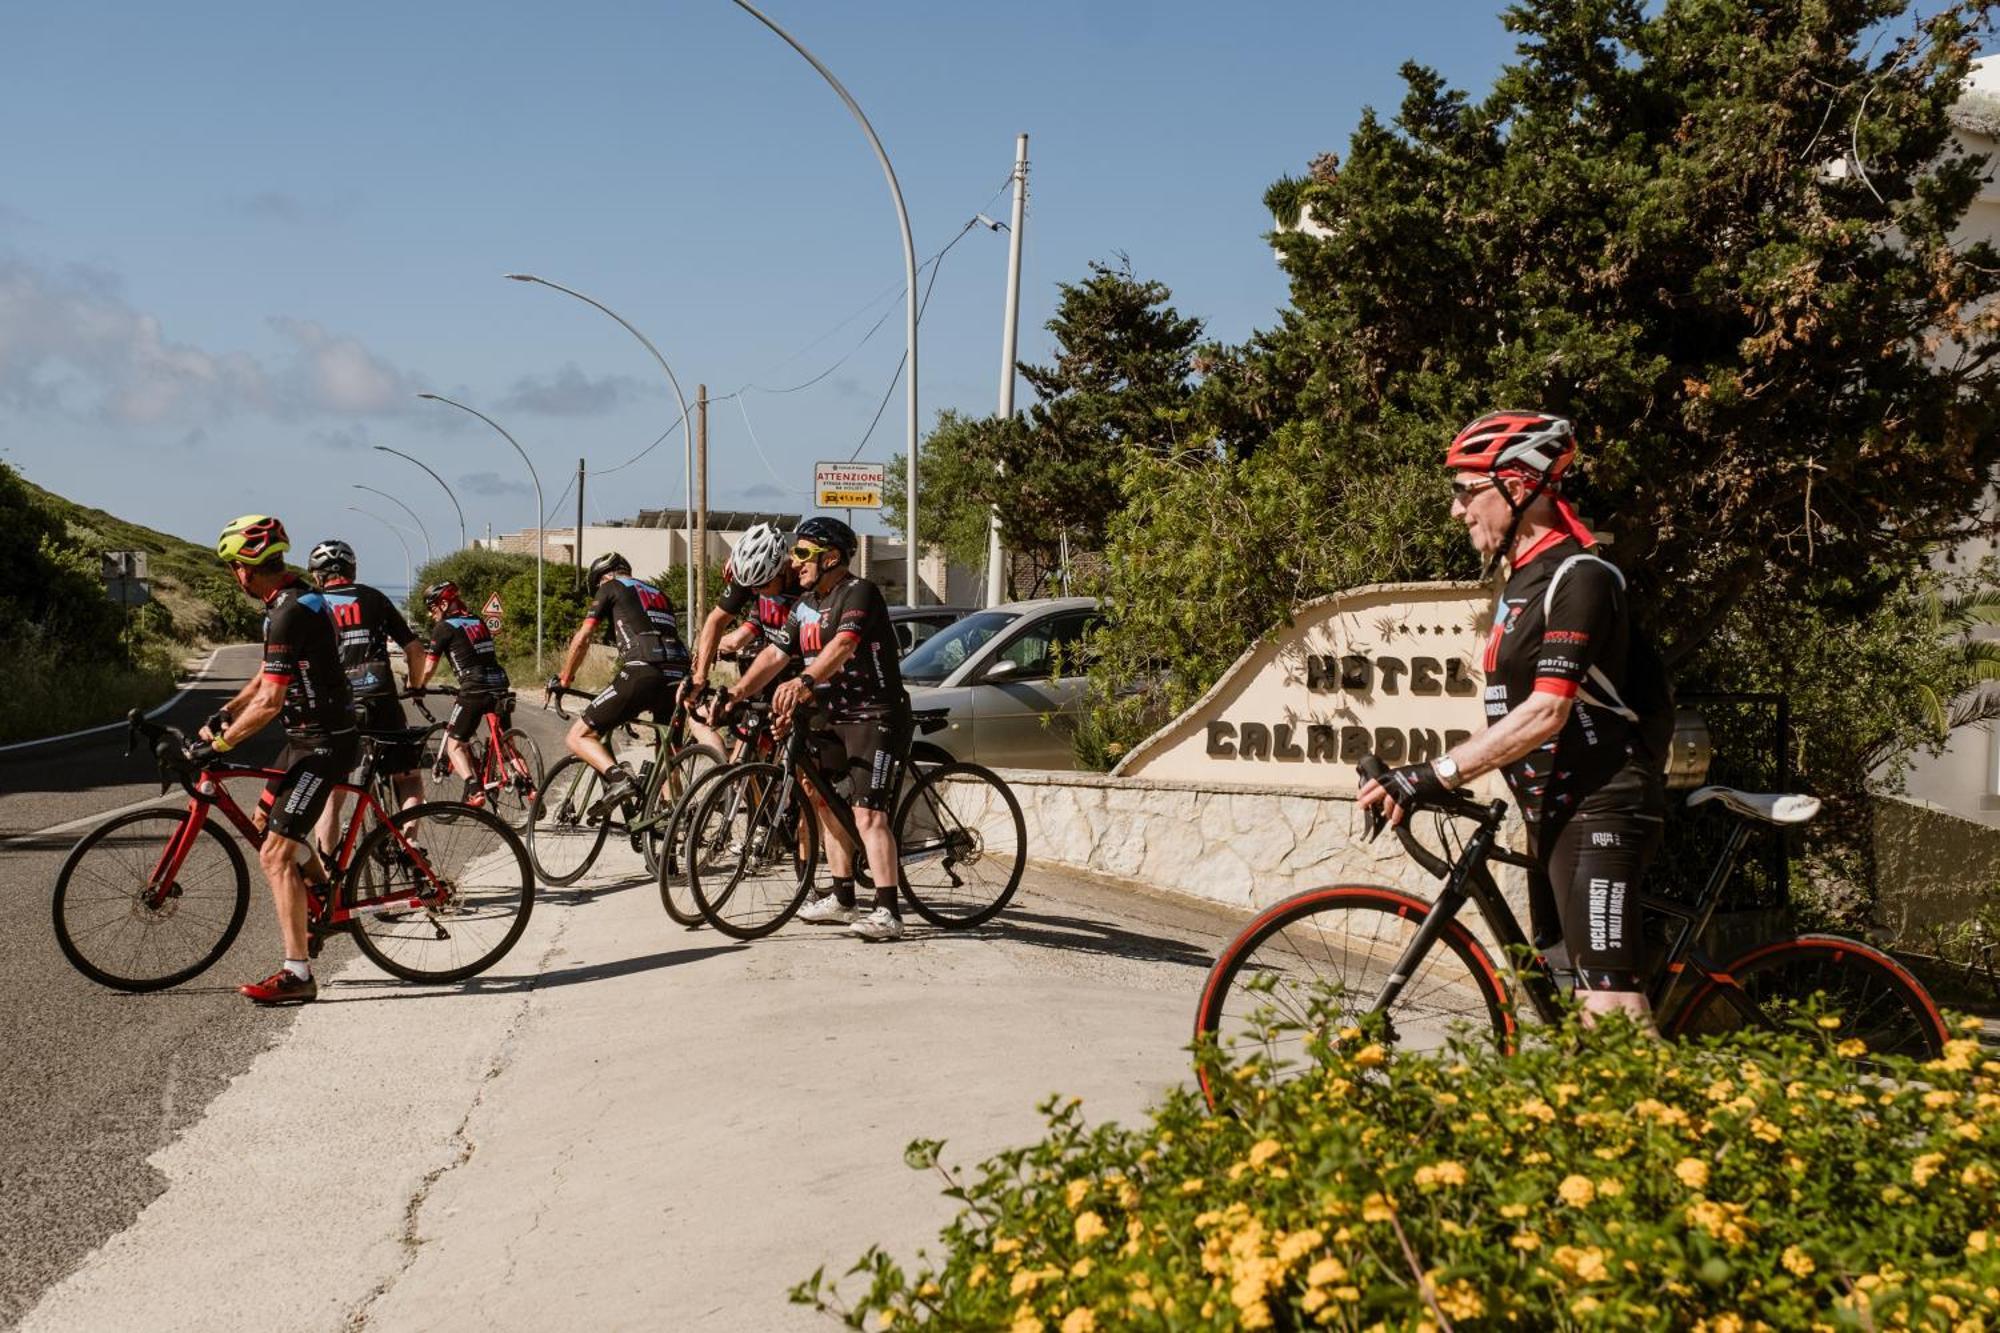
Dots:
{"x": 700, "y": 553}
{"x": 996, "y": 583}
{"x": 579, "y": 527}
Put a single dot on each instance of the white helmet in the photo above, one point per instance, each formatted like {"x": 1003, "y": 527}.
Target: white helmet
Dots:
{"x": 759, "y": 556}
{"x": 332, "y": 557}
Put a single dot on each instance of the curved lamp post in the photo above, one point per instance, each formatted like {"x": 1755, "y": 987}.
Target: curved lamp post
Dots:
{"x": 462, "y": 543}
{"x": 909, "y": 277}
{"x": 430, "y": 556}
{"x": 540, "y": 513}
{"x": 687, "y": 422}
{"x": 357, "y": 509}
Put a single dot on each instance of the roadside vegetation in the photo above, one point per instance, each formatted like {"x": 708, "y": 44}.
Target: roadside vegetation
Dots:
{"x": 1722, "y": 238}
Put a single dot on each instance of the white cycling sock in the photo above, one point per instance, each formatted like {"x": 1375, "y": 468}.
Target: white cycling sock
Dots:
{"x": 299, "y": 968}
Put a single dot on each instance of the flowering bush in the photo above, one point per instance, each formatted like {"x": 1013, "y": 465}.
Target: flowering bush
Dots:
{"x": 1597, "y": 1179}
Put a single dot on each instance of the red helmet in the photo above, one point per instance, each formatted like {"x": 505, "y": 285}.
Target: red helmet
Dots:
{"x": 1533, "y": 443}
{"x": 441, "y": 594}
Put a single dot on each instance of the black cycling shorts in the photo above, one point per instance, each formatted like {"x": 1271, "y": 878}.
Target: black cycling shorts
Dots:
{"x": 874, "y": 750}
{"x": 637, "y": 687}
{"x": 471, "y": 710}
{"x": 292, "y": 803}
{"x": 384, "y": 712}
{"x": 1588, "y": 891}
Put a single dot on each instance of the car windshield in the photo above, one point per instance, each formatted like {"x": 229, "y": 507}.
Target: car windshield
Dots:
{"x": 945, "y": 652}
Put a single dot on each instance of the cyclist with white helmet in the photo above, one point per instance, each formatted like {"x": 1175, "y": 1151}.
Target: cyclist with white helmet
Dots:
{"x": 366, "y": 622}
{"x": 1578, "y": 711}
{"x": 758, "y": 589}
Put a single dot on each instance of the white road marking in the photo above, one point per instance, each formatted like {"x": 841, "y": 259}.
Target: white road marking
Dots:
{"x": 200, "y": 677}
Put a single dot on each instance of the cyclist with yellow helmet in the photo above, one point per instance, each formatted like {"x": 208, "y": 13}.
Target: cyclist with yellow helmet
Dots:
{"x": 302, "y": 680}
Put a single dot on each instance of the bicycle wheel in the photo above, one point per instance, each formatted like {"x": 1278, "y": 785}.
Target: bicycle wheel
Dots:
{"x": 443, "y": 901}
{"x": 519, "y": 772}
{"x": 1336, "y": 947}
{"x": 1875, "y": 998}
{"x": 751, "y": 851}
{"x": 120, "y": 924}
{"x": 963, "y": 845}
{"x": 675, "y": 895}
{"x": 564, "y": 836}
{"x": 684, "y": 769}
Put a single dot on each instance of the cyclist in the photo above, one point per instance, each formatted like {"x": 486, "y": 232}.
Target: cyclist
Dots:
{"x": 482, "y": 681}
{"x": 301, "y": 679}
{"x": 639, "y": 618}
{"x": 1577, "y": 707}
{"x": 758, "y": 588}
{"x": 840, "y": 630}
{"x": 366, "y": 622}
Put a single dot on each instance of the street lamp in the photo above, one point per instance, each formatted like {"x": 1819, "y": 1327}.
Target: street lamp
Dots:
{"x": 910, "y": 292}
{"x": 430, "y": 556}
{"x": 540, "y": 512}
{"x": 687, "y": 422}
{"x": 462, "y": 543}
{"x": 398, "y": 532}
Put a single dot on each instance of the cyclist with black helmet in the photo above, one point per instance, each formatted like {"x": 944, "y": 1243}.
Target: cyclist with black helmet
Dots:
{"x": 1577, "y": 706}
{"x": 367, "y": 623}
{"x": 303, "y": 681}
{"x": 758, "y": 589}
{"x": 482, "y": 682}
{"x": 652, "y": 661}
{"x": 840, "y": 630}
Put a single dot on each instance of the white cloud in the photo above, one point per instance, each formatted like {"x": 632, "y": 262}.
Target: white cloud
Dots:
{"x": 335, "y": 374}
{"x": 571, "y": 393}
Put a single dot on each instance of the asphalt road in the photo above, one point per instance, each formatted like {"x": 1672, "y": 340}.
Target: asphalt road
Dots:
{"x": 95, "y": 1080}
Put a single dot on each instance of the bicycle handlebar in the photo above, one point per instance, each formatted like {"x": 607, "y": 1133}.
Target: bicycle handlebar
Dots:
{"x": 1456, "y": 804}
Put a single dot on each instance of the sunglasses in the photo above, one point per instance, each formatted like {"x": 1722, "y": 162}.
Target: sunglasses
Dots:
{"x": 806, "y": 551}
{"x": 1463, "y": 491}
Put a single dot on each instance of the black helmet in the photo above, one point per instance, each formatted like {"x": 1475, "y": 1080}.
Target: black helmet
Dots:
{"x": 332, "y": 556}
{"x": 830, "y": 533}
{"x": 609, "y": 563}
{"x": 442, "y": 593}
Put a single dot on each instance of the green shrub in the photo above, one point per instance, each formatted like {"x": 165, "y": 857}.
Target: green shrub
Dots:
{"x": 52, "y": 689}
{"x": 1599, "y": 1178}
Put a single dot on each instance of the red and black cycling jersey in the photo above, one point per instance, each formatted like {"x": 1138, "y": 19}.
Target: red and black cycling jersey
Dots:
{"x": 870, "y": 683}
{"x": 769, "y": 612}
{"x": 300, "y": 648}
{"x": 640, "y": 621}
{"x": 1562, "y": 626}
{"x": 469, "y": 643}
{"x": 366, "y": 621}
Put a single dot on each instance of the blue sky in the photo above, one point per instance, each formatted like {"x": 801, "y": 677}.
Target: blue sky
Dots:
{"x": 236, "y": 239}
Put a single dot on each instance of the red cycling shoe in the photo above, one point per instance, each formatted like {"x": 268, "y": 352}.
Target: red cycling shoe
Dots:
{"x": 281, "y": 987}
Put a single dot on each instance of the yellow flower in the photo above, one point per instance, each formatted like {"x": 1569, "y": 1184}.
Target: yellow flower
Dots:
{"x": 1192, "y": 1185}
{"x": 1332, "y": 1270}
{"x": 1853, "y": 1048}
{"x": 1005, "y": 1245}
{"x": 1089, "y": 1227}
{"x": 1938, "y": 1099}
{"x": 1765, "y": 1130}
{"x": 1431, "y": 1176}
{"x": 1377, "y": 1208}
{"x": 1925, "y": 1167}
{"x": 1585, "y": 1264}
{"x": 1692, "y": 1172}
{"x": 1585, "y": 1305}
{"x": 1977, "y": 1242}
{"x": 1829, "y": 1021}
{"x": 1370, "y": 1055}
{"x": 1460, "y": 1301}
{"x": 1074, "y": 1195}
{"x": 1797, "y": 1262}
{"x": 1264, "y": 1151}
{"x": 1128, "y": 1195}
{"x": 1079, "y": 1321}
{"x": 1081, "y": 1268}
{"x": 1576, "y": 1191}
{"x": 979, "y": 1274}
{"x": 1299, "y": 1244}
{"x": 1537, "y": 1109}
{"x": 1027, "y": 1323}
{"x": 1976, "y": 1177}
{"x": 1525, "y": 1241}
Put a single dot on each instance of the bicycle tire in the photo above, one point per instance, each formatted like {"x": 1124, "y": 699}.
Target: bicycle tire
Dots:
{"x": 683, "y": 769}
{"x": 514, "y": 802}
{"x": 476, "y": 887}
{"x": 1876, "y": 998}
{"x": 218, "y": 927}
{"x": 563, "y": 838}
{"x": 947, "y": 888}
{"x": 675, "y": 895}
{"x": 738, "y": 830}
{"x": 1359, "y": 932}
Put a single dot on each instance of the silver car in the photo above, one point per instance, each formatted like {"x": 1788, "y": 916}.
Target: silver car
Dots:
{"x": 994, "y": 673}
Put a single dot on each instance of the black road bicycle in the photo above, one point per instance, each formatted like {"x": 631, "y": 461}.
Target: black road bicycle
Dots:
{"x": 1346, "y": 950}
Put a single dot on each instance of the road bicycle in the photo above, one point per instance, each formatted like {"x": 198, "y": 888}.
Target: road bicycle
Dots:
{"x": 569, "y": 824}
{"x": 753, "y": 845}
{"x": 1320, "y": 959}
{"x": 152, "y": 898}
{"x": 505, "y": 759}
{"x": 748, "y": 737}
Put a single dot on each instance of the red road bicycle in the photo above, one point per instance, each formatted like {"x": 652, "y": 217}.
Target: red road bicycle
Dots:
{"x": 438, "y": 892}
{"x": 506, "y": 760}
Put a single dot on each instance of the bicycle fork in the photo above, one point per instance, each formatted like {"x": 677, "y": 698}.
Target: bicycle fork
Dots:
{"x": 1444, "y": 910}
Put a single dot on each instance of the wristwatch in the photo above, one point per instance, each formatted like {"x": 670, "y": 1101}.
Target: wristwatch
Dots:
{"x": 1446, "y": 769}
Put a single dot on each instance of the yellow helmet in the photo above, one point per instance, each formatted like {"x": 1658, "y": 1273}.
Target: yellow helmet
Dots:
{"x": 252, "y": 539}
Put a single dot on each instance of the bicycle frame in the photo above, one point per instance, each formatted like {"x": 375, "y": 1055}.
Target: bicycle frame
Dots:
{"x": 668, "y": 738}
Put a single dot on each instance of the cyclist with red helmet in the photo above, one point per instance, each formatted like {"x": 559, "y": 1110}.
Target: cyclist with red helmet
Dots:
{"x": 482, "y": 682}
{"x": 1577, "y": 709}
{"x": 303, "y": 680}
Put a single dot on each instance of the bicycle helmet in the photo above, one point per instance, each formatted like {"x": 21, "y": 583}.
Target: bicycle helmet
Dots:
{"x": 332, "y": 556}
{"x": 830, "y": 533}
{"x": 609, "y": 563}
{"x": 440, "y": 594}
{"x": 252, "y": 539}
{"x": 1534, "y": 444}
{"x": 759, "y": 556}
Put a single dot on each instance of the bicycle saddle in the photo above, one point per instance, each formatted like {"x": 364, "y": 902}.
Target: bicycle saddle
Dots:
{"x": 1774, "y": 808}
{"x": 400, "y": 736}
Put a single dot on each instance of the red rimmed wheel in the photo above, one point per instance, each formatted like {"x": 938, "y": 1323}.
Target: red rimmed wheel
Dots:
{"x": 1874, "y": 997}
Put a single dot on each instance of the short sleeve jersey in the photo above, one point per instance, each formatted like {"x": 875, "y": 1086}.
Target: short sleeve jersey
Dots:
{"x": 870, "y": 683}
{"x": 770, "y": 613}
{"x": 1562, "y": 626}
{"x": 639, "y": 618}
{"x": 301, "y": 649}
{"x": 367, "y": 622}
{"x": 469, "y": 644}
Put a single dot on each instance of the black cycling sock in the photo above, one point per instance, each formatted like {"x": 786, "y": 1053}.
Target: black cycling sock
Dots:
{"x": 886, "y": 898}
{"x": 843, "y": 890}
